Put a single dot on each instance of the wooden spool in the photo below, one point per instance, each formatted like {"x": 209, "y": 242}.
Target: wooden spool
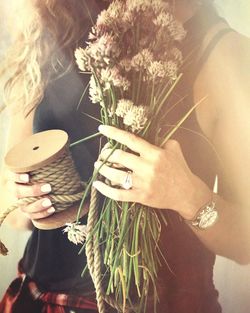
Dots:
{"x": 37, "y": 151}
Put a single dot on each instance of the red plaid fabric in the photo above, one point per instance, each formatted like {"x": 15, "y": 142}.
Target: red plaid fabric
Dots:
{"x": 23, "y": 296}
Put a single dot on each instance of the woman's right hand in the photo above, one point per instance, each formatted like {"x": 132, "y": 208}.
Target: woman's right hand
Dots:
{"x": 21, "y": 188}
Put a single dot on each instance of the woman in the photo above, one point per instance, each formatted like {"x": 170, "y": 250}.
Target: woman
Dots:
{"x": 179, "y": 177}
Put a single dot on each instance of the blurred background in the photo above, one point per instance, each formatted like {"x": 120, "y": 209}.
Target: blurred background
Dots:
{"x": 231, "y": 279}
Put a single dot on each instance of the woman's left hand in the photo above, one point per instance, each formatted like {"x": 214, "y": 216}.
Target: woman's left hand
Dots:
{"x": 161, "y": 177}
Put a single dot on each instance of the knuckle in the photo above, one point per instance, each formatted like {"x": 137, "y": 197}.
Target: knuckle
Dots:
{"x": 15, "y": 190}
{"x": 117, "y": 177}
{"x": 144, "y": 197}
{"x": 158, "y": 154}
{"x": 172, "y": 144}
{"x": 36, "y": 190}
{"x": 130, "y": 137}
{"x": 117, "y": 153}
{"x": 117, "y": 195}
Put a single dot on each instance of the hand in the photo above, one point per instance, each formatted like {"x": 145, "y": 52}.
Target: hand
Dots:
{"x": 20, "y": 187}
{"x": 161, "y": 177}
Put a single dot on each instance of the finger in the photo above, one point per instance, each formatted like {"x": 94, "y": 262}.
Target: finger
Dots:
{"x": 22, "y": 178}
{"x": 133, "y": 142}
{"x": 22, "y": 191}
{"x": 114, "y": 193}
{"x": 124, "y": 158}
{"x": 114, "y": 175}
{"x": 39, "y": 209}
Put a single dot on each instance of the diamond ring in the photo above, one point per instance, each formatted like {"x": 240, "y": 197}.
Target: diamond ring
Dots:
{"x": 127, "y": 183}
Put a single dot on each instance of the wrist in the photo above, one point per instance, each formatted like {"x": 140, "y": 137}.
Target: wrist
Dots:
{"x": 199, "y": 195}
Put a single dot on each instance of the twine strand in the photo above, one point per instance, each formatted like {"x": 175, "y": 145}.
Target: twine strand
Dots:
{"x": 94, "y": 258}
{"x": 65, "y": 182}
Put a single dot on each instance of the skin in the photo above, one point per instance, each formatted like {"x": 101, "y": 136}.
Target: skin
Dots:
{"x": 162, "y": 178}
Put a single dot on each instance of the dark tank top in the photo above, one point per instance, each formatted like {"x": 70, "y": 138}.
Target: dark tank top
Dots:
{"x": 186, "y": 283}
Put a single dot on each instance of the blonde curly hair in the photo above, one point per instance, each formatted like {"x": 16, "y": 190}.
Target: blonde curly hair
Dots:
{"x": 45, "y": 36}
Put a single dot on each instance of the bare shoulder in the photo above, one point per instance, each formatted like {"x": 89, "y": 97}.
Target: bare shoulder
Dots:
{"x": 224, "y": 79}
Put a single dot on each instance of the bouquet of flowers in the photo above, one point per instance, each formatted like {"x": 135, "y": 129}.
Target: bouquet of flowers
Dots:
{"x": 134, "y": 61}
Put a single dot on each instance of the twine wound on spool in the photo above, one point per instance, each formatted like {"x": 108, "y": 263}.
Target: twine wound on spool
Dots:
{"x": 54, "y": 166}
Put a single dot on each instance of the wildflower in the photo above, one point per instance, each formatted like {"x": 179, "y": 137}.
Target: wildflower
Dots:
{"x": 103, "y": 50}
{"x": 82, "y": 59}
{"x": 163, "y": 19}
{"x": 115, "y": 10}
{"x": 126, "y": 64}
{"x": 76, "y": 233}
{"x": 136, "y": 118}
{"x": 112, "y": 76}
{"x": 176, "y": 30}
{"x": 95, "y": 93}
{"x": 156, "y": 69}
{"x": 123, "y": 106}
{"x": 171, "y": 69}
{"x": 177, "y": 55}
{"x": 142, "y": 5}
{"x": 142, "y": 60}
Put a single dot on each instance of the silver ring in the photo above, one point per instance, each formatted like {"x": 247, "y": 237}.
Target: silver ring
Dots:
{"x": 128, "y": 183}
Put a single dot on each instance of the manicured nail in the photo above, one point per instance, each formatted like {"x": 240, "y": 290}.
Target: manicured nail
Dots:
{"x": 95, "y": 184}
{"x": 24, "y": 178}
{"x": 46, "y": 188}
{"x": 51, "y": 210}
{"x": 46, "y": 203}
{"x": 101, "y": 128}
{"x": 97, "y": 164}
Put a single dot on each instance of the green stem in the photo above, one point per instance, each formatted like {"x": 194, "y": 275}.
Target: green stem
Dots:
{"x": 84, "y": 139}
{"x": 87, "y": 190}
{"x": 182, "y": 120}
{"x": 167, "y": 95}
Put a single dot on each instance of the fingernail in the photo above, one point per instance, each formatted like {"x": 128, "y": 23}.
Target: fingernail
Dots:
{"x": 24, "y": 178}
{"x": 46, "y": 188}
{"x": 101, "y": 128}
{"x": 46, "y": 203}
{"x": 97, "y": 164}
{"x": 51, "y": 210}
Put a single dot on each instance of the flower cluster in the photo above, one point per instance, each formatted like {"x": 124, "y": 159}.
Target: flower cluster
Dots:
{"x": 135, "y": 117}
{"x": 76, "y": 233}
{"x": 133, "y": 42}
{"x": 134, "y": 59}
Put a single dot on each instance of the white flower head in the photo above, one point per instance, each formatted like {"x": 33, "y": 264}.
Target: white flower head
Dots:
{"x": 123, "y": 106}
{"x": 156, "y": 69}
{"x": 76, "y": 233}
{"x": 126, "y": 64}
{"x": 142, "y": 59}
{"x": 176, "y": 30}
{"x": 171, "y": 69}
{"x": 82, "y": 59}
{"x": 163, "y": 19}
{"x": 136, "y": 118}
{"x": 112, "y": 76}
{"x": 95, "y": 93}
{"x": 177, "y": 55}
